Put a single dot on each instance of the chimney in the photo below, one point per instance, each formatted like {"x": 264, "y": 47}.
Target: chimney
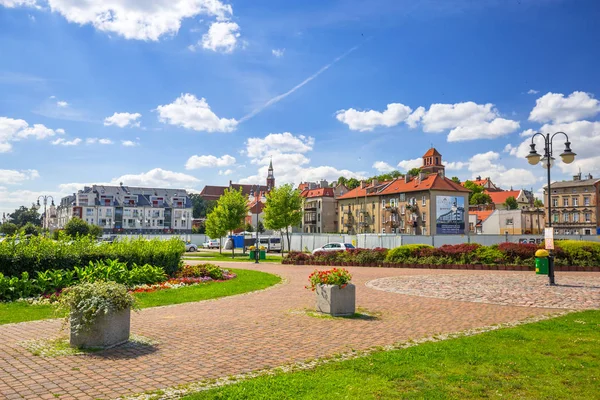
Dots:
{"x": 362, "y": 184}
{"x": 577, "y": 177}
{"x": 230, "y": 183}
{"x": 374, "y": 182}
{"x": 422, "y": 175}
{"x": 590, "y": 176}
{"x": 407, "y": 178}
{"x": 478, "y": 178}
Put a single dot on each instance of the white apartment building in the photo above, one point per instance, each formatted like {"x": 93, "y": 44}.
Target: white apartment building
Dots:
{"x": 126, "y": 209}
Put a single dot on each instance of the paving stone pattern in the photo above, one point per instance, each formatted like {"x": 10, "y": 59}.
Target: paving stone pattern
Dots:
{"x": 239, "y": 334}
{"x": 573, "y": 292}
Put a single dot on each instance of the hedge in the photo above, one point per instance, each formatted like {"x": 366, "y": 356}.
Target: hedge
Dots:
{"x": 18, "y": 255}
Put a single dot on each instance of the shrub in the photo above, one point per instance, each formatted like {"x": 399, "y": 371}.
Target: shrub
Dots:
{"x": 13, "y": 288}
{"x": 199, "y": 271}
{"x": 115, "y": 271}
{"x": 296, "y": 256}
{"x": 582, "y": 253}
{"x": 489, "y": 255}
{"x": 335, "y": 276}
{"x": 516, "y": 252}
{"x": 402, "y": 253}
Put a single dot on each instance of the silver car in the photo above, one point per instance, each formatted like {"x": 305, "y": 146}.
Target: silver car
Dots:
{"x": 338, "y": 246}
{"x": 191, "y": 247}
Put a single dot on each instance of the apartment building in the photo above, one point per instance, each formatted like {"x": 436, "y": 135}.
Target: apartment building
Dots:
{"x": 425, "y": 204}
{"x": 575, "y": 206}
{"x": 126, "y": 209}
{"x": 320, "y": 208}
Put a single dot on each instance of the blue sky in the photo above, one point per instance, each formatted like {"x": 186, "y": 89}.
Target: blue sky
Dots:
{"x": 184, "y": 93}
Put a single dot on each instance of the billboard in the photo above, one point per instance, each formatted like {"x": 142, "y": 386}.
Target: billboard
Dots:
{"x": 450, "y": 215}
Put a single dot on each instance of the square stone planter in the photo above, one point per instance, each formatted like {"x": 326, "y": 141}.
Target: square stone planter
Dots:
{"x": 336, "y": 301}
{"x": 107, "y": 331}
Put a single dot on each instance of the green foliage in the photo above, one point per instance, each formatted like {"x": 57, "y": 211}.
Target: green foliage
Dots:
{"x": 200, "y": 270}
{"x": 261, "y": 227}
{"x": 87, "y": 301}
{"x": 115, "y": 271}
{"x": 95, "y": 231}
{"x": 401, "y": 254}
{"x": 201, "y": 207}
{"x": 31, "y": 229}
{"x": 352, "y": 183}
{"x": 8, "y": 228}
{"x": 40, "y": 254}
{"x": 455, "y": 179}
{"x": 336, "y": 276}
{"x": 580, "y": 253}
{"x": 480, "y": 198}
{"x": 538, "y": 203}
{"x": 23, "y": 215}
{"x": 511, "y": 203}
{"x": 489, "y": 255}
{"x": 249, "y": 227}
{"x": 283, "y": 209}
{"x": 414, "y": 171}
{"x": 13, "y": 288}
{"x": 77, "y": 227}
{"x": 54, "y": 280}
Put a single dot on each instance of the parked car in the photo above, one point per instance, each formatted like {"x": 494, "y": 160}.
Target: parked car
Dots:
{"x": 211, "y": 244}
{"x": 338, "y": 246}
{"x": 191, "y": 247}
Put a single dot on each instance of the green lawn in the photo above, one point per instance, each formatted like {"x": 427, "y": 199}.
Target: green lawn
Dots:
{"x": 246, "y": 281}
{"x": 210, "y": 256}
{"x": 553, "y": 359}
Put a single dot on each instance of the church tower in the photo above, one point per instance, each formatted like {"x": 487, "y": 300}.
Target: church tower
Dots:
{"x": 432, "y": 162}
{"x": 270, "y": 177}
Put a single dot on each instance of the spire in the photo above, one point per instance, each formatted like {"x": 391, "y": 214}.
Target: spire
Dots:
{"x": 271, "y": 164}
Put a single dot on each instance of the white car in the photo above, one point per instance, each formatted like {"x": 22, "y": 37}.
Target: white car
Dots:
{"x": 191, "y": 247}
{"x": 338, "y": 246}
{"x": 211, "y": 244}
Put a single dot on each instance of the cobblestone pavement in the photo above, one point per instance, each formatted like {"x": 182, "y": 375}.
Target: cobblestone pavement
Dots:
{"x": 240, "y": 334}
{"x": 572, "y": 292}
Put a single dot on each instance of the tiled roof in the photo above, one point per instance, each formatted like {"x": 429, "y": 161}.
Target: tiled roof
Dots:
{"x": 432, "y": 152}
{"x": 481, "y": 215}
{"x": 368, "y": 190}
{"x": 215, "y": 192}
{"x": 399, "y": 185}
{"x": 478, "y": 182}
{"x": 303, "y": 186}
{"x": 568, "y": 184}
{"x": 320, "y": 192}
{"x": 500, "y": 197}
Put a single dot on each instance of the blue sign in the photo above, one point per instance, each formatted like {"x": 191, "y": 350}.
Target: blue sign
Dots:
{"x": 598, "y": 231}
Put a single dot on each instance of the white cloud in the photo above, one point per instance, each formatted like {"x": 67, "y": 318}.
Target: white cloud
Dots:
{"x": 157, "y": 177}
{"x": 456, "y": 166}
{"x": 210, "y": 161}
{"x": 222, "y": 36}
{"x": 64, "y": 142}
{"x": 407, "y": 165}
{"x": 13, "y": 177}
{"x": 123, "y": 119}
{"x": 226, "y": 172}
{"x": 99, "y": 141}
{"x": 62, "y": 103}
{"x": 382, "y": 166}
{"x": 532, "y": 91}
{"x": 12, "y": 130}
{"x": 278, "y": 52}
{"x": 369, "y": 120}
{"x": 129, "y": 143}
{"x": 486, "y": 165}
{"x": 485, "y": 130}
{"x": 141, "y": 20}
{"x": 414, "y": 118}
{"x": 275, "y": 143}
{"x": 556, "y": 108}
{"x": 193, "y": 113}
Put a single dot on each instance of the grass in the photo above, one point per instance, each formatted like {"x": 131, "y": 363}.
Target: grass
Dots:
{"x": 226, "y": 256}
{"x": 557, "y": 358}
{"x": 246, "y": 281}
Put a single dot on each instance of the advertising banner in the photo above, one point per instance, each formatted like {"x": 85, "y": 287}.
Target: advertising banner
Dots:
{"x": 450, "y": 215}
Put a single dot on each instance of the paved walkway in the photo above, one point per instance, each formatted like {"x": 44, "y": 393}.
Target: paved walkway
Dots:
{"x": 238, "y": 334}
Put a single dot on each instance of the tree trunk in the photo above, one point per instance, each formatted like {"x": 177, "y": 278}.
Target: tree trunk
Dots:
{"x": 220, "y": 245}
{"x": 287, "y": 234}
{"x": 232, "y": 246}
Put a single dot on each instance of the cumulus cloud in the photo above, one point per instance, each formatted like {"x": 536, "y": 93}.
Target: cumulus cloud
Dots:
{"x": 456, "y": 166}
{"x": 210, "y": 161}
{"x": 414, "y": 118}
{"x": 123, "y": 119}
{"x": 157, "y": 177}
{"x": 192, "y": 113}
{"x": 382, "y": 166}
{"x": 62, "y": 103}
{"x": 14, "y": 177}
{"x": 222, "y": 36}
{"x": 368, "y": 120}
{"x": 556, "y": 108}
{"x": 140, "y": 20}
{"x": 13, "y": 130}
{"x": 487, "y": 165}
{"x": 226, "y": 172}
{"x": 64, "y": 142}
{"x": 407, "y": 165}
{"x": 278, "y": 143}
{"x": 129, "y": 143}
{"x": 99, "y": 141}
{"x": 278, "y": 52}
{"x": 532, "y": 91}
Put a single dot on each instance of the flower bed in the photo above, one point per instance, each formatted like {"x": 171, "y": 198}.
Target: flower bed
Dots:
{"x": 569, "y": 255}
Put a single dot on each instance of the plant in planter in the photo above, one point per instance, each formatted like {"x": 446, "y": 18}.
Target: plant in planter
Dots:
{"x": 98, "y": 313}
{"x": 335, "y": 294}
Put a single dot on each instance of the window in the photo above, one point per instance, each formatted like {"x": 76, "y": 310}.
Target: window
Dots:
{"x": 575, "y": 202}
{"x": 383, "y": 203}
{"x": 424, "y": 231}
{"x": 109, "y": 212}
{"x": 424, "y": 216}
{"x": 566, "y": 217}
{"x": 586, "y": 201}
{"x": 566, "y": 202}
{"x": 509, "y": 221}
{"x": 423, "y": 200}
{"x": 402, "y": 197}
{"x": 575, "y": 217}
{"x": 403, "y": 210}
{"x": 175, "y": 224}
{"x": 588, "y": 217}
{"x": 555, "y": 202}
{"x": 89, "y": 212}
{"x": 555, "y": 218}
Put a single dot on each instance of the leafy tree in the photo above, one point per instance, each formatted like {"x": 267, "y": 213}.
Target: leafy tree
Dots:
{"x": 261, "y": 227}
{"x": 480, "y": 198}
{"x": 201, "y": 207}
{"x": 342, "y": 181}
{"x": 77, "y": 227}
{"x": 283, "y": 209}
{"x": 94, "y": 231}
{"x": 538, "y": 203}
{"x": 22, "y": 215}
{"x": 8, "y": 228}
{"x": 214, "y": 228}
{"x": 414, "y": 171}
{"x": 511, "y": 203}
{"x": 352, "y": 183}
{"x": 249, "y": 227}
{"x": 232, "y": 209}
{"x": 455, "y": 179}
{"x": 30, "y": 229}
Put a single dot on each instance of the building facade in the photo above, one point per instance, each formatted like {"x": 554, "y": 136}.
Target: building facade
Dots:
{"x": 126, "y": 209}
{"x": 575, "y": 206}
{"x": 320, "y": 207}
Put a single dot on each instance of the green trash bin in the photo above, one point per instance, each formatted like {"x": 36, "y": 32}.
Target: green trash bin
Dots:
{"x": 541, "y": 262}
{"x": 263, "y": 255}
{"x": 252, "y": 254}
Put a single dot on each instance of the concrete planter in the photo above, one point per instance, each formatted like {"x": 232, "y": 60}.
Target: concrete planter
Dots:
{"x": 107, "y": 331}
{"x": 336, "y": 301}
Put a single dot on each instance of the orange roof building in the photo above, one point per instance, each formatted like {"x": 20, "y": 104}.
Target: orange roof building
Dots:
{"x": 320, "y": 206}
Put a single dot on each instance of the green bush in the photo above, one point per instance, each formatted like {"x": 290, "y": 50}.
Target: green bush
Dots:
{"x": 40, "y": 253}
{"x": 581, "y": 253}
{"x": 13, "y": 288}
{"x": 489, "y": 255}
{"x": 115, "y": 271}
{"x": 401, "y": 254}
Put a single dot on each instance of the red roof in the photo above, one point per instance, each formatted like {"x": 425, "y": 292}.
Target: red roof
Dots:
{"x": 430, "y": 182}
{"x": 368, "y": 190}
{"x": 500, "y": 197}
{"x": 432, "y": 152}
{"x": 303, "y": 186}
{"x": 481, "y": 215}
{"x": 320, "y": 192}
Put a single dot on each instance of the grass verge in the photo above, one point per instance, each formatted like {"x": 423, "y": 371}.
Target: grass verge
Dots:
{"x": 556, "y": 358}
{"x": 246, "y": 281}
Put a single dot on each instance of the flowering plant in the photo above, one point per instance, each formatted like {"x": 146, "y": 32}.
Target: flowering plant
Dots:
{"x": 253, "y": 247}
{"x": 336, "y": 276}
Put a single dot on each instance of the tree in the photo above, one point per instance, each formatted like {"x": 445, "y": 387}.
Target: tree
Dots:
{"x": 23, "y": 215}
{"x": 30, "y": 229}
{"x": 201, "y": 207}
{"x": 249, "y": 227}
{"x": 455, "y": 179}
{"x": 480, "y": 198}
{"x": 511, "y": 203}
{"x": 283, "y": 209}
{"x": 8, "y": 228}
{"x": 342, "y": 181}
{"x": 94, "y": 231}
{"x": 414, "y": 172}
{"x": 214, "y": 228}
{"x": 538, "y": 203}
{"x": 261, "y": 227}
{"x": 77, "y": 227}
{"x": 232, "y": 209}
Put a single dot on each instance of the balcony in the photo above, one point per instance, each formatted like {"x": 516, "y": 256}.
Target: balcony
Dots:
{"x": 363, "y": 211}
{"x": 310, "y": 221}
{"x": 391, "y": 223}
{"x": 349, "y": 222}
{"x": 310, "y": 207}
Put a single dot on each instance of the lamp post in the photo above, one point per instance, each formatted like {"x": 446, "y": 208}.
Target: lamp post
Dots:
{"x": 547, "y": 162}
{"x": 45, "y": 200}
{"x": 257, "y": 199}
